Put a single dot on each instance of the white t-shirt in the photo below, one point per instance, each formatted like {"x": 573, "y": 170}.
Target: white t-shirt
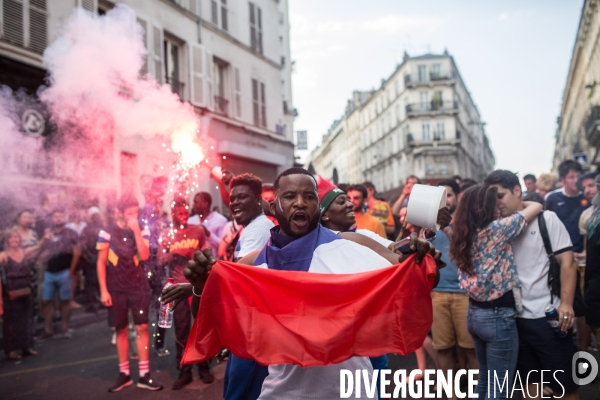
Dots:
{"x": 533, "y": 264}
{"x": 254, "y": 236}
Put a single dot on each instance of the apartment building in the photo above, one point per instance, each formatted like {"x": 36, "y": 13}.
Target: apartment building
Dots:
{"x": 230, "y": 59}
{"x": 421, "y": 121}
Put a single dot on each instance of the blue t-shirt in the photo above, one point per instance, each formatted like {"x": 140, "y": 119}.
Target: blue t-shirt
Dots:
{"x": 449, "y": 274}
{"x": 569, "y": 209}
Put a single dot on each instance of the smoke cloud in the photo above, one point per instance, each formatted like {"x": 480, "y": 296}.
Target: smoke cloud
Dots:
{"x": 95, "y": 84}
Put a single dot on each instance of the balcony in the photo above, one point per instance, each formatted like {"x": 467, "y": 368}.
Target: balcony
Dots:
{"x": 221, "y": 104}
{"x": 176, "y": 87}
{"x": 430, "y": 79}
{"x": 431, "y": 108}
{"x": 592, "y": 127}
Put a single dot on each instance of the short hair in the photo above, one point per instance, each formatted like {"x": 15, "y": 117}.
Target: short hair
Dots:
{"x": 452, "y": 183}
{"x": 359, "y": 188}
{"x": 455, "y": 177}
{"x": 530, "y": 177}
{"x": 343, "y": 186}
{"x": 127, "y": 201}
{"x": 466, "y": 184}
{"x": 58, "y": 210}
{"x": 534, "y": 196}
{"x": 506, "y": 179}
{"x": 179, "y": 202}
{"x": 547, "y": 182}
{"x": 369, "y": 185}
{"x": 566, "y": 166}
{"x": 589, "y": 175}
{"x": 413, "y": 177}
{"x": 292, "y": 171}
{"x": 247, "y": 179}
{"x": 206, "y": 197}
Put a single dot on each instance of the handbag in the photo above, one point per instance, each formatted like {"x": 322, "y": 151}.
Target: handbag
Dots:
{"x": 554, "y": 272}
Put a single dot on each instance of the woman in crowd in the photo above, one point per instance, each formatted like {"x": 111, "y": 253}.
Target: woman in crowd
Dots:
{"x": 15, "y": 274}
{"x": 481, "y": 250}
{"x": 23, "y": 225}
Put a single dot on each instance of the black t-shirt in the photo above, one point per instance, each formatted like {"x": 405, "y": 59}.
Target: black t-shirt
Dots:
{"x": 123, "y": 270}
{"x": 60, "y": 250}
{"x": 592, "y": 271}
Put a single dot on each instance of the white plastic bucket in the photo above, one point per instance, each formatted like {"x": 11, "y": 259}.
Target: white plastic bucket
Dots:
{"x": 424, "y": 204}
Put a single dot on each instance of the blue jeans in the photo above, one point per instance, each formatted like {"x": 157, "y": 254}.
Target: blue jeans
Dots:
{"x": 494, "y": 332}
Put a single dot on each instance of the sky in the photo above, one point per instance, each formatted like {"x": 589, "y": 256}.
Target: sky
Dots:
{"x": 513, "y": 56}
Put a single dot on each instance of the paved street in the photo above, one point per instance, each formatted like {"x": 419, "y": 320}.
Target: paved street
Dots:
{"x": 85, "y": 366}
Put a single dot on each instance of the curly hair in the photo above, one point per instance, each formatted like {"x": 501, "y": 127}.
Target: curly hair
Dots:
{"x": 476, "y": 210}
{"x": 247, "y": 179}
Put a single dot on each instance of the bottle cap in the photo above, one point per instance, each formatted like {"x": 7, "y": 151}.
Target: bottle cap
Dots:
{"x": 171, "y": 280}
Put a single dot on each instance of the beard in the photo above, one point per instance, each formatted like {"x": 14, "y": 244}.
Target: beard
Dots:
{"x": 286, "y": 224}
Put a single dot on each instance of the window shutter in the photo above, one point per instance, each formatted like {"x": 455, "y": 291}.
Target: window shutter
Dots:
{"x": 208, "y": 57}
{"x": 88, "y": 5}
{"x": 193, "y": 6}
{"x": 157, "y": 49}
{"x": 38, "y": 26}
{"x": 144, "y": 24}
{"x": 12, "y": 18}
{"x": 197, "y": 95}
{"x": 263, "y": 111}
{"x": 214, "y": 8}
{"x": 237, "y": 92}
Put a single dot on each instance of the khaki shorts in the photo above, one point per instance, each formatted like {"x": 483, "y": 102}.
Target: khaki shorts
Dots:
{"x": 450, "y": 320}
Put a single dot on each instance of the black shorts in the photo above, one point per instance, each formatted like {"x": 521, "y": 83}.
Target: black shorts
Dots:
{"x": 541, "y": 349}
{"x": 122, "y": 302}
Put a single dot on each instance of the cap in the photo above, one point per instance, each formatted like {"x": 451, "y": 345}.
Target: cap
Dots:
{"x": 596, "y": 199}
{"x": 327, "y": 193}
{"x": 93, "y": 210}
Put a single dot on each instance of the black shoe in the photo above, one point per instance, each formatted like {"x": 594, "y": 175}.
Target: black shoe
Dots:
{"x": 148, "y": 383}
{"x": 121, "y": 382}
{"x": 183, "y": 380}
{"x": 205, "y": 375}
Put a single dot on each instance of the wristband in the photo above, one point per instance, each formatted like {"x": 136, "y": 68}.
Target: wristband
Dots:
{"x": 194, "y": 293}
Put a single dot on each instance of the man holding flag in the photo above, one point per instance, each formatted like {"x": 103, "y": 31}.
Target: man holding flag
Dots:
{"x": 301, "y": 244}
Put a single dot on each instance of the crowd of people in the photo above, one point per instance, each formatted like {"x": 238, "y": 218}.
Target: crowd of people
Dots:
{"x": 509, "y": 254}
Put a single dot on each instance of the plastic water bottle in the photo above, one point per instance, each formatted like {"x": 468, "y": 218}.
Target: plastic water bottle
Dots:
{"x": 165, "y": 313}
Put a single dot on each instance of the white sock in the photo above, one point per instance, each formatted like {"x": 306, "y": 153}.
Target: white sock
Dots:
{"x": 124, "y": 368}
{"x": 144, "y": 368}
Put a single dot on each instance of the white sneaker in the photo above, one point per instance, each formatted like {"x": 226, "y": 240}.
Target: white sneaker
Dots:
{"x": 113, "y": 341}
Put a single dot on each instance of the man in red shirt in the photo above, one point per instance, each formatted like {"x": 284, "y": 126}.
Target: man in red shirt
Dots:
{"x": 177, "y": 246}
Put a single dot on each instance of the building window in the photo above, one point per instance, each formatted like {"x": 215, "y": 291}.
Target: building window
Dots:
{"x": 426, "y": 132}
{"x": 441, "y": 131}
{"x": 171, "y": 66}
{"x": 24, "y": 24}
{"x": 436, "y": 72}
{"x": 443, "y": 169}
{"x": 258, "y": 103}
{"x": 255, "y": 28}
{"x": 224, "y": 20}
{"x": 220, "y": 75}
{"x": 422, "y": 73}
{"x": 214, "y": 8}
{"x": 424, "y": 97}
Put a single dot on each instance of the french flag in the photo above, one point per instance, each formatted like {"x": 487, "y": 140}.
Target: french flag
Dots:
{"x": 351, "y": 303}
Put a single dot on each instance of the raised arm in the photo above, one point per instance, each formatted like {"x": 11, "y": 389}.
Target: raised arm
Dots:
{"x": 532, "y": 209}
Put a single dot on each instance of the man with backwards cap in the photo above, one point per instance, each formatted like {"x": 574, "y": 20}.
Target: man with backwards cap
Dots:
{"x": 296, "y": 207}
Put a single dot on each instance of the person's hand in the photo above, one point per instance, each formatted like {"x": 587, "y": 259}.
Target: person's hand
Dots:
{"x": 198, "y": 268}
{"x": 564, "y": 310}
{"x": 406, "y": 191}
{"x": 106, "y": 299}
{"x": 226, "y": 177}
{"x": 133, "y": 224}
{"x": 580, "y": 256}
{"x": 444, "y": 218}
{"x": 176, "y": 293}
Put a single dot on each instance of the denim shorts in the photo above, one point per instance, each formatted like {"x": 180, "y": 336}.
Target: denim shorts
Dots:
{"x": 54, "y": 282}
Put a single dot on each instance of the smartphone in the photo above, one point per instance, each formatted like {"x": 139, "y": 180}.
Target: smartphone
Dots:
{"x": 403, "y": 246}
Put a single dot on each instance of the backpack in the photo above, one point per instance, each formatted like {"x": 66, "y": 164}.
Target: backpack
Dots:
{"x": 554, "y": 272}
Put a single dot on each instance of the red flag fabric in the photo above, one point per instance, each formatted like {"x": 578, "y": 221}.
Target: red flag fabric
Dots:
{"x": 312, "y": 319}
